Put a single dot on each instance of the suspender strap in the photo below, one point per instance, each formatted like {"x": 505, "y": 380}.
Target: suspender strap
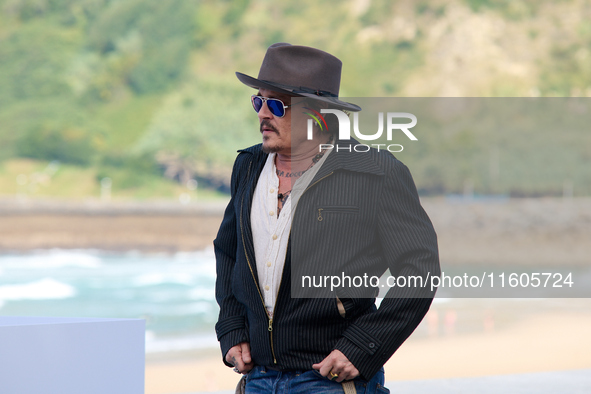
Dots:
{"x": 349, "y": 387}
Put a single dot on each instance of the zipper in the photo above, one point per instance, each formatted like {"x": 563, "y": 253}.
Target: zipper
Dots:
{"x": 340, "y": 209}
{"x": 270, "y": 327}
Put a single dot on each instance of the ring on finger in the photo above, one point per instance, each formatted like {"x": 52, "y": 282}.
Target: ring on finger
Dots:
{"x": 236, "y": 370}
{"x": 333, "y": 375}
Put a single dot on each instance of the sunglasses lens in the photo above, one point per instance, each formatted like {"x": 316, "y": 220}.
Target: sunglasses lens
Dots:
{"x": 257, "y": 103}
{"x": 276, "y": 107}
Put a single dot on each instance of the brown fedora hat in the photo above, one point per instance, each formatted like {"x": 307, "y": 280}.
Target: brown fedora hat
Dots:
{"x": 300, "y": 71}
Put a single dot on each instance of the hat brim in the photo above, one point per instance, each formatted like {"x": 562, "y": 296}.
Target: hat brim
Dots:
{"x": 259, "y": 84}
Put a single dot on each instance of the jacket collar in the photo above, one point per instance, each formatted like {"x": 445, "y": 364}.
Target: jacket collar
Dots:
{"x": 343, "y": 159}
{"x": 255, "y": 149}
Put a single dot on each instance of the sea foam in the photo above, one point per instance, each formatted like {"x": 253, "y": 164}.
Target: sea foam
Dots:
{"x": 43, "y": 289}
{"x": 54, "y": 258}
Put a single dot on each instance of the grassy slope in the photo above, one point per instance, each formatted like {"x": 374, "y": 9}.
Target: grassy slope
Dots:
{"x": 425, "y": 48}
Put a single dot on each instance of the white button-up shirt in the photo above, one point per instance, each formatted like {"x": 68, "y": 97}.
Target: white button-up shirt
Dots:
{"x": 271, "y": 231}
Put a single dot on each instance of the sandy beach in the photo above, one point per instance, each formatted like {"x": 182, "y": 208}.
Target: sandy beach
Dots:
{"x": 539, "y": 343}
{"x": 115, "y": 226}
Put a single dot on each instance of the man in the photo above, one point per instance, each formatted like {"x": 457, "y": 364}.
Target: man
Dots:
{"x": 356, "y": 213}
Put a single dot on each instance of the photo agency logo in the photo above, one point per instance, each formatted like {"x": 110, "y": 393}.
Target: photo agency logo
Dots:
{"x": 344, "y": 132}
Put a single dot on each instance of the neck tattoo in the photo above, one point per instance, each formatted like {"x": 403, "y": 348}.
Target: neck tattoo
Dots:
{"x": 315, "y": 159}
{"x": 282, "y": 197}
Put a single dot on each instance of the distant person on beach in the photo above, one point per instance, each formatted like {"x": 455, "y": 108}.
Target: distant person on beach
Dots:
{"x": 358, "y": 214}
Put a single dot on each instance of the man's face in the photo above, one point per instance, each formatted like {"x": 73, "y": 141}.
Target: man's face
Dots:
{"x": 276, "y": 131}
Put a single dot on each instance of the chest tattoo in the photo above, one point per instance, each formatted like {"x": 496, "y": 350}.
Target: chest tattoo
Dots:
{"x": 281, "y": 200}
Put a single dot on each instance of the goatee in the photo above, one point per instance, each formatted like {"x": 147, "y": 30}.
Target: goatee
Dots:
{"x": 267, "y": 125}
{"x": 271, "y": 149}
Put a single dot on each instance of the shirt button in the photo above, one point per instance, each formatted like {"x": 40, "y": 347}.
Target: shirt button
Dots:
{"x": 271, "y": 213}
{"x": 268, "y": 263}
{"x": 267, "y": 288}
{"x": 371, "y": 345}
{"x": 274, "y": 236}
{"x": 272, "y": 191}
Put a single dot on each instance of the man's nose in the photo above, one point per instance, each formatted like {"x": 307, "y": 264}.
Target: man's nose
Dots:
{"x": 265, "y": 112}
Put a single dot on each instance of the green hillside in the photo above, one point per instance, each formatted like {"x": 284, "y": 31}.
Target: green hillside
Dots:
{"x": 143, "y": 91}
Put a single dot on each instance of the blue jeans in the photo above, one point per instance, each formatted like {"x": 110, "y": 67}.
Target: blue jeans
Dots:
{"x": 264, "y": 381}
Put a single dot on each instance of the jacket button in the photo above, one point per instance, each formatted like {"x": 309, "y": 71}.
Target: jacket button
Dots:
{"x": 371, "y": 345}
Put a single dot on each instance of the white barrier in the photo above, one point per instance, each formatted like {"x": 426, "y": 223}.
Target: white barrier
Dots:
{"x": 55, "y": 355}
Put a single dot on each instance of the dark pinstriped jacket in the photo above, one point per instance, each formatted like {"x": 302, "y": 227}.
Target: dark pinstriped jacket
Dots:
{"x": 372, "y": 196}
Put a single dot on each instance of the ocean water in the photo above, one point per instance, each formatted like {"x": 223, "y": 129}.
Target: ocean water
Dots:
{"x": 173, "y": 292}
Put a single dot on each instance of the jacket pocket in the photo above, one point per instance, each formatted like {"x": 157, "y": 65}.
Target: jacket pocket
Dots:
{"x": 327, "y": 210}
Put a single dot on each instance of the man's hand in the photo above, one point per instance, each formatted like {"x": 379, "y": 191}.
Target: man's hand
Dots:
{"x": 337, "y": 363}
{"x": 239, "y": 357}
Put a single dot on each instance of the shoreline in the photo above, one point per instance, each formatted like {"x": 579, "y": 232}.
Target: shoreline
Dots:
{"x": 543, "y": 231}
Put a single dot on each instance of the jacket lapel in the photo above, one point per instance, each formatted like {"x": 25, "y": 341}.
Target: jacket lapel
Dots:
{"x": 342, "y": 159}
{"x": 257, "y": 164}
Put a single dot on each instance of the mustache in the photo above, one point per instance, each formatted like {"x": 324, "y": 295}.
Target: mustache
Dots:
{"x": 267, "y": 124}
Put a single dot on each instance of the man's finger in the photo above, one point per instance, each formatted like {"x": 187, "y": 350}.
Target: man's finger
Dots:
{"x": 336, "y": 363}
{"x": 348, "y": 374}
{"x": 238, "y": 363}
{"x": 231, "y": 353}
{"x": 326, "y": 369}
{"x": 323, "y": 367}
{"x": 326, "y": 366}
{"x": 229, "y": 357}
{"x": 234, "y": 357}
{"x": 245, "y": 347}
{"x": 247, "y": 368}
{"x": 345, "y": 374}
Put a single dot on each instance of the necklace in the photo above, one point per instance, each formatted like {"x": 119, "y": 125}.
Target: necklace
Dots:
{"x": 282, "y": 197}
{"x": 298, "y": 174}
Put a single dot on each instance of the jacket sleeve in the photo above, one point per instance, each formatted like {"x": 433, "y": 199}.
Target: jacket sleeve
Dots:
{"x": 409, "y": 246}
{"x": 231, "y": 326}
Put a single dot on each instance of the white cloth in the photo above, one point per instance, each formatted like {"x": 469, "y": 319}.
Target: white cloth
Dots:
{"x": 271, "y": 232}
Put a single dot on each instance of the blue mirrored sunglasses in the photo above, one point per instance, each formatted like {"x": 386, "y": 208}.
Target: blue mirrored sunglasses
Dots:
{"x": 276, "y": 106}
